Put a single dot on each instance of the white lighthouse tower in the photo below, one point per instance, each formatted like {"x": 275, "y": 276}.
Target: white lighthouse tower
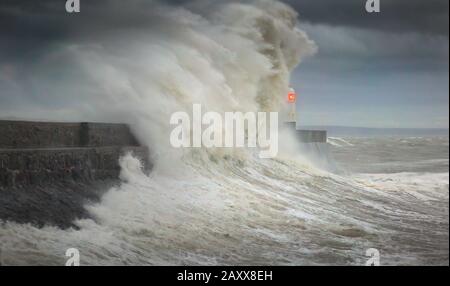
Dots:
{"x": 304, "y": 136}
{"x": 292, "y": 99}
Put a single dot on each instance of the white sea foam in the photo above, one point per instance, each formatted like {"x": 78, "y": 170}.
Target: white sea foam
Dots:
{"x": 338, "y": 142}
{"x": 424, "y": 186}
{"x": 222, "y": 206}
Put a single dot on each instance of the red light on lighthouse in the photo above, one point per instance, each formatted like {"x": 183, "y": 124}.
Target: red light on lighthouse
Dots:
{"x": 292, "y": 96}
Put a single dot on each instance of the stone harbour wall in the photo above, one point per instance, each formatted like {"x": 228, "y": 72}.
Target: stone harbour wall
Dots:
{"x": 312, "y": 136}
{"x": 27, "y": 134}
{"x": 308, "y": 136}
{"x": 20, "y": 168}
{"x": 36, "y": 153}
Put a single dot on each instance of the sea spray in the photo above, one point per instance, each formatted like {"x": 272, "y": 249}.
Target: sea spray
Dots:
{"x": 235, "y": 130}
{"x": 146, "y": 60}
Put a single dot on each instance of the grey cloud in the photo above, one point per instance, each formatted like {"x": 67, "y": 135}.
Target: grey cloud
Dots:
{"x": 356, "y": 43}
{"x": 405, "y": 47}
{"x": 429, "y": 17}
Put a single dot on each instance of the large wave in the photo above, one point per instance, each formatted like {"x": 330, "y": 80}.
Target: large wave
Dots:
{"x": 203, "y": 206}
{"x": 141, "y": 61}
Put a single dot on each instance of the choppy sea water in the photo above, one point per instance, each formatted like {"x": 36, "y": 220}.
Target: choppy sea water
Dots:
{"x": 390, "y": 194}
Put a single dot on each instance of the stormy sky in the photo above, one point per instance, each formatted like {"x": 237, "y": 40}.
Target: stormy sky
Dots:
{"x": 387, "y": 69}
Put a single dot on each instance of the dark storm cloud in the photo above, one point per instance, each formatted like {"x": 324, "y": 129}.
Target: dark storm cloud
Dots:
{"x": 385, "y": 69}
{"x": 30, "y": 27}
{"x": 422, "y": 16}
{"x": 26, "y": 26}
{"x": 27, "y": 23}
{"x": 405, "y": 47}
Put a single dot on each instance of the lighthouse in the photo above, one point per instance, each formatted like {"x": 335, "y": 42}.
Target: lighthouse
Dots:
{"x": 292, "y": 99}
{"x": 304, "y": 136}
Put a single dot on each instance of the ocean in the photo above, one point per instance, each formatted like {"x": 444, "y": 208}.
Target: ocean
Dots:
{"x": 142, "y": 63}
{"x": 387, "y": 193}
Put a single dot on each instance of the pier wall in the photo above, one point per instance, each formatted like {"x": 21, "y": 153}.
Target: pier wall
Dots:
{"x": 308, "y": 136}
{"x": 26, "y": 134}
{"x": 36, "y": 153}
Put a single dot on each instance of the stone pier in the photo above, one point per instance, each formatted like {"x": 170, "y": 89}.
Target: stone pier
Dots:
{"x": 308, "y": 136}
{"x": 39, "y": 153}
